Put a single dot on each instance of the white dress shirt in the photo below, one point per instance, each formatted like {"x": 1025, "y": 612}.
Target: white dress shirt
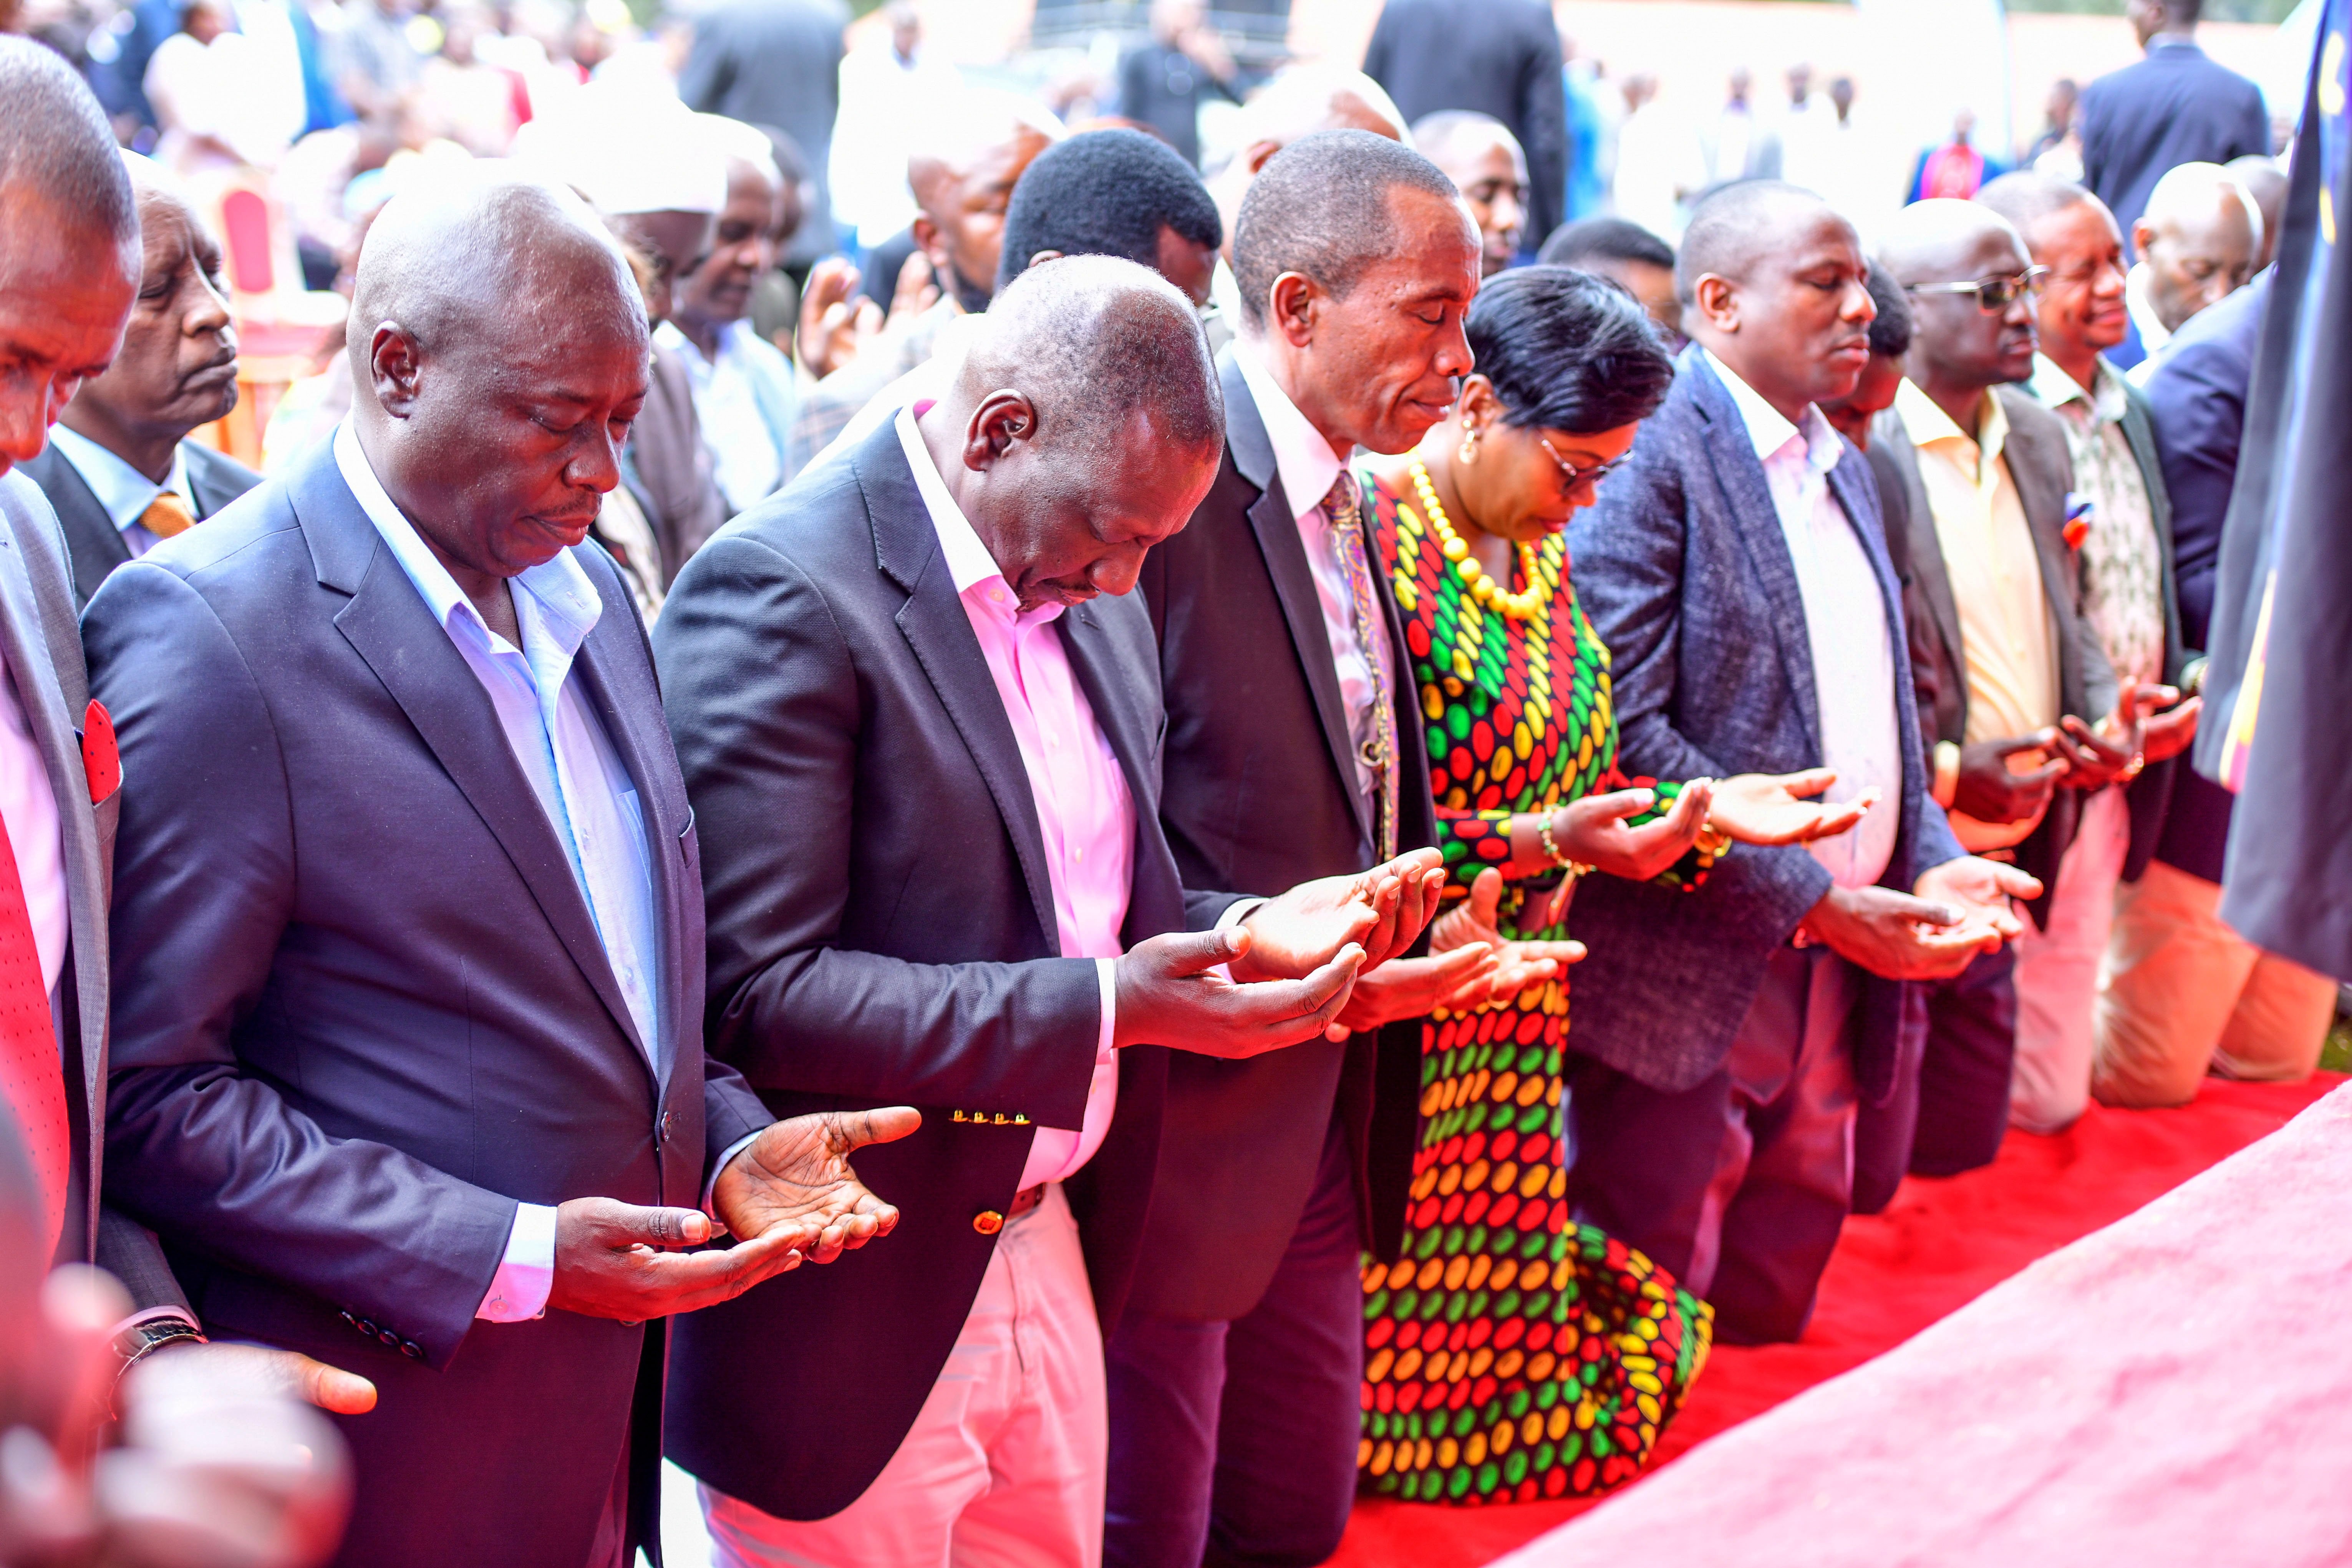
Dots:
{"x": 744, "y": 399}
{"x": 1307, "y": 468}
{"x": 1845, "y": 625}
{"x": 579, "y": 780}
{"x": 2153, "y": 333}
{"x": 122, "y": 490}
{"x": 1084, "y": 813}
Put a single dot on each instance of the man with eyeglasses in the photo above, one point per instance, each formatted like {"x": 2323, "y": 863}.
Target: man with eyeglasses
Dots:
{"x": 1978, "y": 485}
{"x": 2128, "y": 597}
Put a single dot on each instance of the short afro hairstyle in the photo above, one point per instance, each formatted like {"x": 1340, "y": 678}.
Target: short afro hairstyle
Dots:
{"x": 1105, "y": 193}
{"x": 1321, "y": 208}
{"x": 1567, "y": 351}
{"x": 1592, "y": 239}
{"x": 1890, "y": 330}
{"x": 55, "y": 139}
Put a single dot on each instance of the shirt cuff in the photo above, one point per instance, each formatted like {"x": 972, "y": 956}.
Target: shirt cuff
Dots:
{"x": 518, "y": 1289}
{"x": 1106, "y": 971}
{"x": 725, "y": 1159}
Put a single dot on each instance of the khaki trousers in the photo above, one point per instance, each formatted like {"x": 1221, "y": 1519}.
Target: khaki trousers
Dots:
{"x": 2184, "y": 994}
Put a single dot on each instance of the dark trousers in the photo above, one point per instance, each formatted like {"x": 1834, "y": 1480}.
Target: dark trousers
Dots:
{"x": 1947, "y": 1115}
{"x": 1235, "y": 1442}
{"x": 1738, "y": 1186}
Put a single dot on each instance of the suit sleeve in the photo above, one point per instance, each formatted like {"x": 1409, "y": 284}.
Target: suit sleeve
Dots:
{"x": 709, "y": 68}
{"x": 2197, "y": 401}
{"x": 204, "y": 890}
{"x": 763, "y": 700}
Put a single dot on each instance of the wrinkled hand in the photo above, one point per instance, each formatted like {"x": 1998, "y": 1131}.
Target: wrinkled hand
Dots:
{"x": 1894, "y": 934}
{"x": 1383, "y": 911}
{"x": 1981, "y": 890}
{"x": 795, "y": 1177}
{"x": 284, "y": 1374}
{"x": 2168, "y": 733}
{"x": 1778, "y": 808}
{"x": 835, "y": 320}
{"x": 1169, "y": 994}
{"x": 1986, "y": 790}
{"x": 1592, "y": 830}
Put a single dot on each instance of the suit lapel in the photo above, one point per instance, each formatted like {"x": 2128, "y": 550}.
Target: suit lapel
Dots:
{"x": 2031, "y": 463}
{"x": 1924, "y": 545}
{"x": 32, "y": 622}
{"x": 1275, "y": 523}
{"x": 938, "y": 632}
{"x": 1739, "y": 474}
{"x": 390, "y": 626}
{"x": 1102, "y": 675}
{"x": 91, "y": 539}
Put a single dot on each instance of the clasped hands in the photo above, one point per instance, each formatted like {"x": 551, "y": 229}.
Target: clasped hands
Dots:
{"x": 2150, "y": 724}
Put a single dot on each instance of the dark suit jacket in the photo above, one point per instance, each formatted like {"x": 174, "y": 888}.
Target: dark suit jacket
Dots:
{"x": 1498, "y": 58}
{"x": 1261, "y": 794}
{"x": 2197, "y": 402}
{"x": 1686, "y": 576}
{"x": 776, "y": 63}
{"x": 882, "y": 930}
{"x": 360, "y": 1010}
{"x": 97, "y": 544}
{"x": 2172, "y": 108}
{"x": 2148, "y": 797}
{"x": 2041, "y": 466}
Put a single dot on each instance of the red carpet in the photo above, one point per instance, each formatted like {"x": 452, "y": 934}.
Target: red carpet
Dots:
{"x": 1941, "y": 1245}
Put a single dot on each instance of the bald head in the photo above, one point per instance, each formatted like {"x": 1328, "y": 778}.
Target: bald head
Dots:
{"x": 1084, "y": 428}
{"x": 965, "y": 160}
{"x": 2199, "y": 236}
{"x": 1483, "y": 159}
{"x": 1939, "y": 241}
{"x": 2265, "y": 183}
{"x": 1773, "y": 283}
{"x": 1734, "y": 229}
{"x": 1961, "y": 340}
{"x": 499, "y": 352}
{"x": 56, "y": 148}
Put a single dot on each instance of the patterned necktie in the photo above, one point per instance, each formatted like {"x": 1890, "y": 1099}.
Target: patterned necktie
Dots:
{"x": 166, "y": 515}
{"x": 1380, "y": 752}
{"x": 32, "y": 1076}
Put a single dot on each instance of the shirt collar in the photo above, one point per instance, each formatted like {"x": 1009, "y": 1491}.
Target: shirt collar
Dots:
{"x": 1302, "y": 458}
{"x": 2153, "y": 333}
{"x": 2053, "y": 388}
{"x": 122, "y": 490}
{"x": 970, "y": 565}
{"x": 1769, "y": 430}
{"x": 1929, "y": 425}
{"x": 566, "y": 603}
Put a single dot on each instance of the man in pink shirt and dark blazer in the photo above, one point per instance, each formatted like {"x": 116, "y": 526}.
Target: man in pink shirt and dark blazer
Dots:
{"x": 921, "y": 735}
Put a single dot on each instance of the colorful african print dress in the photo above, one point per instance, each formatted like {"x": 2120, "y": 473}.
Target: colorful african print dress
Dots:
{"x": 1510, "y": 1353}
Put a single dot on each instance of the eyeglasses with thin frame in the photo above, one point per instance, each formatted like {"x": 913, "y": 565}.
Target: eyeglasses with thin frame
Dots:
{"x": 1992, "y": 293}
{"x": 1574, "y": 476}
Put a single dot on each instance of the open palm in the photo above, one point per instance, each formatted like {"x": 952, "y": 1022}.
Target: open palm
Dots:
{"x": 797, "y": 1173}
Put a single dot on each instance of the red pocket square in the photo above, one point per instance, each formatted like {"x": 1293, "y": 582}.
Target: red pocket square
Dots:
{"x": 99, "y": 760}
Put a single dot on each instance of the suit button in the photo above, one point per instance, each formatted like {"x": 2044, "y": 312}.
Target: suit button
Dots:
{"x": 662, "y": 1128}
{"x": 988, "y": 1222}
{"x": 388, "y": 1337}
{"x": 412, "y": 1350}
{"x": 367, "y": 1328}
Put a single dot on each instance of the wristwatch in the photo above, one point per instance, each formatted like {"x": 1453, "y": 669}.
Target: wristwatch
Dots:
{"x": 142, "y": 1338}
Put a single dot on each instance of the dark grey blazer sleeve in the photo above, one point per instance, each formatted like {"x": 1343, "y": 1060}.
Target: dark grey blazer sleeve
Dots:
{"x": 204, "y": 883}
{"x": 765, "y": 702}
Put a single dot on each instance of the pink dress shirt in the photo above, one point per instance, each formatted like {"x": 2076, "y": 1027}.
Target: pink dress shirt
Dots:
{"x": 1084, "y": 810}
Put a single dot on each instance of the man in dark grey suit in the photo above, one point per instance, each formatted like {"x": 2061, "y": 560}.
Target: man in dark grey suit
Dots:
{"x": 121, "y": 470}
{"x": 776, "y": 62}
{"x": 407, "y": 1055}
{"x": 2016, "y": 693}
{"x": 1737, "y": 573}
{"x": 924, "y": 656}
{"x": 70, "y": 273}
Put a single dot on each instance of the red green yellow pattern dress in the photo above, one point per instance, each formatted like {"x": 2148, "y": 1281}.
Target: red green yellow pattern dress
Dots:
{"x": 1510, "y": 1353}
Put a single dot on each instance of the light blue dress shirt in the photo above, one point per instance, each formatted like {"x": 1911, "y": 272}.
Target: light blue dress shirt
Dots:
{"x": 122, "y": 490}
{"x": 579, "y": 780}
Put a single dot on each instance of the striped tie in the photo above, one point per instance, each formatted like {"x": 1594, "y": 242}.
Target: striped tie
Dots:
{"x": 1380, "y": 752}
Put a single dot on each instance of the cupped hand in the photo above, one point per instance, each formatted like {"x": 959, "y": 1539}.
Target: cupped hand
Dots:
{"x": 285, "y": 1374}
{"x": 1168, "y": 993}
{"x": 1414, "y": 987}
{"x": 1897, "y": 935}
{"x": 1593, "y": 831}
{"x": 1520, "y": 963}
{"x": 1780, "y": 808}
{"x": 1982, "y": 890}
{"x": 2095, "y": 761}
{"x": 1383, "y": 911}
{"x": 617, "y": 1260}
{"x": 1987, "y": 788}
{"x": 795, "y": 1176}
{"x": 2168, "y": 733}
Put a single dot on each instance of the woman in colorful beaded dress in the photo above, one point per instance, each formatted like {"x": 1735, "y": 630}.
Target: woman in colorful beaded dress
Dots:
{"x": 1511, "y": 1354}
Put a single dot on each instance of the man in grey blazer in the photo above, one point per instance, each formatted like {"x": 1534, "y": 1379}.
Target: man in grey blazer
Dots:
{"x": 408, "y": 1003}
{"x": 1978, "y": 481}
{"x": 120, "y": 469}
{"x": 69, "y": 272}
{"x": 1736, "y": 571}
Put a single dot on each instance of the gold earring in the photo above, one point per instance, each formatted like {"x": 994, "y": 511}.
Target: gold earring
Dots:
{"x": 1467, "y": 453}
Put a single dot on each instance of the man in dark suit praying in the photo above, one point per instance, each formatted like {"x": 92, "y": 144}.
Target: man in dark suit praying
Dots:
{"x": 121, "y": 470}
{"x": 408, "y": 1062}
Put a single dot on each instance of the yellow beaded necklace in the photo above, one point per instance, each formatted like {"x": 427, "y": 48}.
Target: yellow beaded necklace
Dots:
{"x": 1493, "y": 595}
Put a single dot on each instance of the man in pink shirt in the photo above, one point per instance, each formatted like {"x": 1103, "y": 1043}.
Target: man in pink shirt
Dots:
{"x": 922, "y": 726}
